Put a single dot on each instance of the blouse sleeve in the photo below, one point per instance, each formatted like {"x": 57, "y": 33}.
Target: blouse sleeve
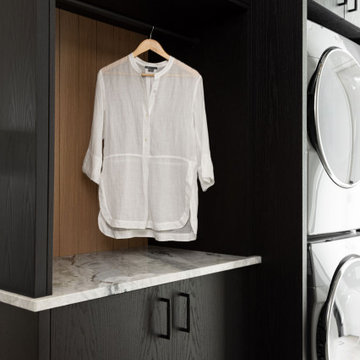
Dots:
{"x": 205, "y": 166}
{"x": 93, "y": 158}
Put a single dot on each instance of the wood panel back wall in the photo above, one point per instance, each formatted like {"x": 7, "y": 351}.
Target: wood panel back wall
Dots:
{"x": 83, "y": 46}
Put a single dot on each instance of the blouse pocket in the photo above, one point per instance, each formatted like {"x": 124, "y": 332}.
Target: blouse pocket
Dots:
{"x": 170, "y": 182}
{"x": 121, "y": 192}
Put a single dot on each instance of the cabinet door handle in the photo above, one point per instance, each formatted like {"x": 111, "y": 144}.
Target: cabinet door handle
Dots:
{"x": 343, "y": 3}
{"x": 187, "y": 297}
{"x": 168, "y": 318}
{"x": 355, "y": 6}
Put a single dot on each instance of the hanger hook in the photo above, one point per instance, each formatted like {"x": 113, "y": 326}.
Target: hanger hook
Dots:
{"x": 151, "y": 32}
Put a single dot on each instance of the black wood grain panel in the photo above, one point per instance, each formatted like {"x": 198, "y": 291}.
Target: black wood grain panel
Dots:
{"x": 44, "y": 116}
{"x": 124, "y": 326}
{"x": 277, "y": 114}
{"x": 24, "y": 145}
{"x": 17, "y": 161}
{"x": 206, "y": 340}
{"x": 23, "y": 334}
{"x": 44, "y": 335}
{"x": 51, "y": 144}
{"x": 127, "y": 326}
{"x": 221, "y": 320}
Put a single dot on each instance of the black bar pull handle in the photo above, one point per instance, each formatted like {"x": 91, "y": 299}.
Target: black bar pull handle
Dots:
{"x": 168, "y": 318}
{"x": 187, "y": 297}
{"x": 355, "y": 6}
{"x": 343, "y": 3}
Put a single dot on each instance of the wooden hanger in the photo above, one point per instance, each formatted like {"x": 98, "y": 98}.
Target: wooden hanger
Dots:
{"x": 153, "y": 45}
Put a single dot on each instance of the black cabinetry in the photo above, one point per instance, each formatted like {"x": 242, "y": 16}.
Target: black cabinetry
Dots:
{"x": 25, "y": 146}
{"x": 200, "y": 318}
{"x": 251, "y": 56}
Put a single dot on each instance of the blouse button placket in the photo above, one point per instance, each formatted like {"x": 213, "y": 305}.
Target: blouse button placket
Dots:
{"x": 146, "y": 134}
{"x": 150, "y": 105}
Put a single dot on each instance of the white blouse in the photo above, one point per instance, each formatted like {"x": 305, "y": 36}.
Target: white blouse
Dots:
{"x": 149, "y": 143}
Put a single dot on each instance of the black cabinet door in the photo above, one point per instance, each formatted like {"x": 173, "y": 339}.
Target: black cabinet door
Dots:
{"x": 336, "y": 6}
{"x": 25, "y": 181}
{"x": 221, "y": 315}
{"x": 153, "y": 323}
{"x": 125, "y": 326}
{"x": 201, "y": 333}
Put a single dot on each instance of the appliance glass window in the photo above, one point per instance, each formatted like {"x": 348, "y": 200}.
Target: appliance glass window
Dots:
{"x": 334, "y": 115}
{"x": 340, "y": 318}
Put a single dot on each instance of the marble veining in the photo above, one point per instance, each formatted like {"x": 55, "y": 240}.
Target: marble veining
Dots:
{"x": 90, "y": 276}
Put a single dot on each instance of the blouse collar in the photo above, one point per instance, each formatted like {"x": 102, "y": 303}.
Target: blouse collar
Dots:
{"x": 134, "y": 61}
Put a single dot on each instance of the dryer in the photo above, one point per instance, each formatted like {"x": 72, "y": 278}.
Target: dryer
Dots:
{"x": 333, "y": 150}
{"x": 333, "y": 154}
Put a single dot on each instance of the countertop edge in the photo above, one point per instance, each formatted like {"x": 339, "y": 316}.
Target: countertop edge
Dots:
{"x": 54, "y": 301}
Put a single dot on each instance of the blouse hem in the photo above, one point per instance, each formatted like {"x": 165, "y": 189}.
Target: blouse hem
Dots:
{"x": 131, "y": 233}
{"x": 144, "y": 224}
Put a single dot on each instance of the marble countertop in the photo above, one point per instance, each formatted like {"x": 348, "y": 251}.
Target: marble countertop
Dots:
{"x": 91, "y": 276}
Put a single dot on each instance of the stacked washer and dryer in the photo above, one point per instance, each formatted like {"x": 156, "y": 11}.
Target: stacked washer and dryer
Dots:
{"x": 333, "y": 195}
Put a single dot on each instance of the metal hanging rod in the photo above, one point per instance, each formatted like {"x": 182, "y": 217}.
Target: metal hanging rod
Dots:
{"x": 96, "y": 12}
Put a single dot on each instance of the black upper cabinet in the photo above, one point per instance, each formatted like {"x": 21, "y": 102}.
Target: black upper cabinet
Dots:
{"x": 25, "y": 181}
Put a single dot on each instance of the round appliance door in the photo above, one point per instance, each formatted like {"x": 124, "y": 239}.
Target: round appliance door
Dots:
{"x": 338, "y": 333}
{"x": 334, "y": 115}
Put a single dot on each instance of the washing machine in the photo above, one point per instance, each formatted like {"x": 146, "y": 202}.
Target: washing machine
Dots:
{"x": 333, "y": 158}
{"x": 334, "y": 288}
